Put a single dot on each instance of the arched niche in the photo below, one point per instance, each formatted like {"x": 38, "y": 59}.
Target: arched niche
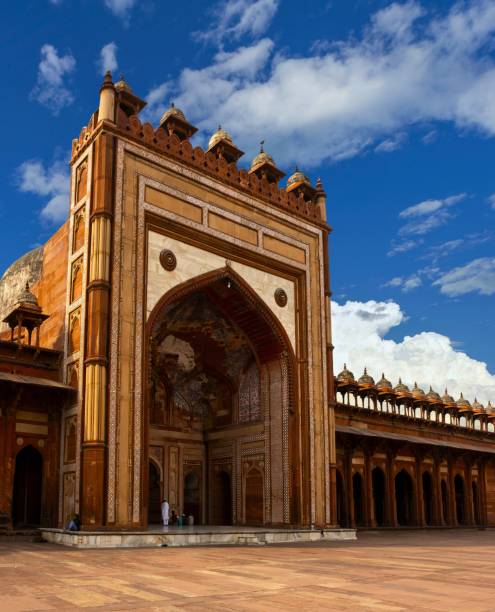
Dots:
{"x": 212, "y": 346}
{"x": 28, "y": 488}
{"x": 404, "y": 498}
{"x": 154, "y": 493}
{"x": 378, "y": 483}
{"x": 427, "y": 484}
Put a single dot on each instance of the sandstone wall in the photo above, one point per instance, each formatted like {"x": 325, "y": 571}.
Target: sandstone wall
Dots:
{"x": 45, "y": 268}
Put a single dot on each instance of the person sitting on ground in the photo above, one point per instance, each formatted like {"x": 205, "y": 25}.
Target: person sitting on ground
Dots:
{"x": 74, "y": 523}
{"x": 173, "y": 518}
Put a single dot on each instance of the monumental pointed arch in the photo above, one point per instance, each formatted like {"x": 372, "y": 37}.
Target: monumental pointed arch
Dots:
{"x": 175, "y": 340}
{"x": 219, "y": 358}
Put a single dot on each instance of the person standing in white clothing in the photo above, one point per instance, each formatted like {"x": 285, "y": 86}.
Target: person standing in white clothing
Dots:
{"x": 165, "y": 511}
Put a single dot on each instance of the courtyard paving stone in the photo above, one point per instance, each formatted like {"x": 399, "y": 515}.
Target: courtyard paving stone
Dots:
{"x": 381, "y": 571}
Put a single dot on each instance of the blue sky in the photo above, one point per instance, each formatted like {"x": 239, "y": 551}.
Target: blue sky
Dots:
{"x": 391, "y": 104}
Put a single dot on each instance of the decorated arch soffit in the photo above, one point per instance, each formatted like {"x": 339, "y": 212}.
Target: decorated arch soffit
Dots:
{"x": 172, "y": 263}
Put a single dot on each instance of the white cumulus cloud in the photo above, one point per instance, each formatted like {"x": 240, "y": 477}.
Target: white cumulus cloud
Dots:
{"x": 51, "y": 89}
{"x": 52, "y": 181}
{"x": 228, "y": 72}
{"x": 477, "y": 276}
{"x": 408, "y": 66}
{"x": 359, "y": 337}
{"x": 108, "y": 58}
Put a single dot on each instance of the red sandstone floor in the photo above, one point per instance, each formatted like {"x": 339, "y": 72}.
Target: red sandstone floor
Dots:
{"x": 447, "y": 570}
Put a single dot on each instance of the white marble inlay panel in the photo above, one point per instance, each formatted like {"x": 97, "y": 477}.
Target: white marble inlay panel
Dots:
{"x": 192, "y": 261}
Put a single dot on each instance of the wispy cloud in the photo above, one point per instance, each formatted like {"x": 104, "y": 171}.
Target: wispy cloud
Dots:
{"x": 233, "y": 19}
{"x": 428, "y": 215}
{"x": 391, "y": 144}
{"x": 444, "y": 249}
{"x": 108, "y": 58}
{"x": 53, "y": 182}
{"x": 121, "y": 8}
{"x": 403, "y": 246}
{"x": 51, "y": 89}
{"x": 477, "y": 276}
{"x": 405, "y": 284}
{"x": 430, "y": 206}
{"x": 430, "y": 137}
{"x": 491, "y": 200}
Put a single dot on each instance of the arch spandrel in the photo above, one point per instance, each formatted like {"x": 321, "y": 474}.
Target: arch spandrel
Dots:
{"x": 193, "y": 262}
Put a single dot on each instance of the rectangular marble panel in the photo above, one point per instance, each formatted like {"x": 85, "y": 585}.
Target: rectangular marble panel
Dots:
{"x": 231, "y": 228}
{"x": 179, "y": 207}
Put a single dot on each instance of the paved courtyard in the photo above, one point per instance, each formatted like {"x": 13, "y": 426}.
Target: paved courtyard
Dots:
{"x": 448, "y": 570}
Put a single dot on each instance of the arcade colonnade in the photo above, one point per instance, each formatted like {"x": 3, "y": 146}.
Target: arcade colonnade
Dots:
{"x": 408, "y": 487}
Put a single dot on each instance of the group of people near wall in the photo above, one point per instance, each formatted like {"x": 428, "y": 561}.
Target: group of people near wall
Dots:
{"x": 172, "y": 518}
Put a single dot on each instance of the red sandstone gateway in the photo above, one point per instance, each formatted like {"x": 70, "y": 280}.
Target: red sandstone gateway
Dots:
{"x": 174, "y": 342}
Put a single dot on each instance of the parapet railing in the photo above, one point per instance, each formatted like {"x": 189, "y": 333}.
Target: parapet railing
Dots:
{"x": 459, "y": 414}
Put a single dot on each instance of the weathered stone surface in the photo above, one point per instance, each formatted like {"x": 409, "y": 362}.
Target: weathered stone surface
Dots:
{"x": 27, "y": 268}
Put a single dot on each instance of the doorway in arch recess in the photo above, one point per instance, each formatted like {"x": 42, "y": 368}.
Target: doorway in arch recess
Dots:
{"x": 192, "y": 497}
{"x": 154, "y": 498}
{"x": 28, "y": 485}
{"x": 254, "y": 497}
{"x": 222, "y": 499}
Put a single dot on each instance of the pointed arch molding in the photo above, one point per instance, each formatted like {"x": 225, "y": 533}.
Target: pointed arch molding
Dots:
{"x": 271, "y": 327}
{"x": 130, "y": 191}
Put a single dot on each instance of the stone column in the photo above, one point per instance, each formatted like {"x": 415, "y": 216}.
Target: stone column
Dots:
{"x": 369, "y": 509}
{"x": 482, "y": 491}
{"x": 452, "y": 502}
{"x": 391, "y": 514}
{"x": 349, "y": 488}
{"x": 437, "y": 492}
{"x": 418, "y": 493}
{"x": 470, "y": 520}
{"x": 332, "y": 452}
{"x": 96, "y": 343}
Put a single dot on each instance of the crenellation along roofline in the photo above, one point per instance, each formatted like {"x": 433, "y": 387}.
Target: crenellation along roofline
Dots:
{"x": 203, "y": 162}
